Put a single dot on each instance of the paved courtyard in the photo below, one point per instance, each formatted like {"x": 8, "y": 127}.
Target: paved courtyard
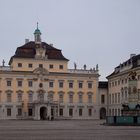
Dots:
{"x": 65, "y": 130}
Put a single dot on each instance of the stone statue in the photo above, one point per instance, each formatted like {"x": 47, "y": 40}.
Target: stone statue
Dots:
{"x": 97, "y": 67}
{"x": 3, "y": 63}
{"x": 85, "y": 67}
{"x": 75, "y": 66}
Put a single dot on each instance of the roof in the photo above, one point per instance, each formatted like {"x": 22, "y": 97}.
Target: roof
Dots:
{"x": 103, "y": 84}
{"x": 133, "y": 60}
{"x": 28, "y": 50}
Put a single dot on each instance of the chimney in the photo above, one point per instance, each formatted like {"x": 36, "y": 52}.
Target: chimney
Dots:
{"x": 133, "y": 54}
{"x": 26, "y": 40}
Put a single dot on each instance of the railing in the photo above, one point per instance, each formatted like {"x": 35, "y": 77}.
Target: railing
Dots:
{"x": 82, "y": 71}
{"x": 5, "y": 68}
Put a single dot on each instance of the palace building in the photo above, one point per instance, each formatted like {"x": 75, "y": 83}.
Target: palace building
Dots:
{"x": 37, "y": 85}
{"x": 124, "y": 86}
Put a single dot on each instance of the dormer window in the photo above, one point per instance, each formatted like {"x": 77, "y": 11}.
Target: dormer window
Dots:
{"x": 61, "y": 67}
{"x": 51, "y": 66}
{"x": 40, "y": 65}
{"x": 30, "y": 65}
{"x": 19, "y": 65}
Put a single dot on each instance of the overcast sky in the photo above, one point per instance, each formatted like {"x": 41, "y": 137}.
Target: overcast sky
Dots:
{"x": 90, "y": 32}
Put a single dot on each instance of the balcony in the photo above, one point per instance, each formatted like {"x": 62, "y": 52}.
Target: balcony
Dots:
{"x": 82, "y": 71}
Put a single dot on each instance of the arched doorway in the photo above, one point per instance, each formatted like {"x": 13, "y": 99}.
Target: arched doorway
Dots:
{"x": 102, "y": 113}
{"x": 43, "y": 113}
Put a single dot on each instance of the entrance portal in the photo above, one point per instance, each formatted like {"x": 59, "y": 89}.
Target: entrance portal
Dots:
{"x": 102, "y": 113}
{"x": 43, "y": 113}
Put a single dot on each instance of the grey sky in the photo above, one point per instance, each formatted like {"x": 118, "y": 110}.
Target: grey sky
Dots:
{"x": 88, "y": 31}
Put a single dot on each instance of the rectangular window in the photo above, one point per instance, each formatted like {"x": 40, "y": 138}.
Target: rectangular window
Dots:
{"x": 70, "y": 85}
{"x": 8, "y": 111}
{"x": 60, "y": 84}
{"x": 51, "y": 84}
{"x": 30, "y": 65}
{"x": 80, "y": 112}
{"x": 89, "y": 85}
{"x": 19, "y": 112}
{"x": 61, "y": 112}
{"x": 30, "y": 112}
{"x": 30, "y": 83}
{"x": 80, "y": 85}
{"x": 60, "y": 66}
{"x": 19, "y": 83}
{"x": 19, "y": 65}
{"x": 9, "y": 83}
{"x": 118, "y": 97}
{"x": 102, "y": 99}
{"x": 61, "y": 98}
{"x": 51, "y": 66}
{"x": 19, "y": 97}
{"x": 89, "y": 98}
{"x": 89, "y": 112}
{"x": 70, "y": 98}
{"x": 40, "y": 65}
{"x": 9, "y": 97}
{"x": 80, "y": 98}
{"x": 71, "y": 112}
{"x": 30, "y": 97}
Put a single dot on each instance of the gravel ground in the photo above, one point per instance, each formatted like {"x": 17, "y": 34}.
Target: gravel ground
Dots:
{"x": 65, "y": 130}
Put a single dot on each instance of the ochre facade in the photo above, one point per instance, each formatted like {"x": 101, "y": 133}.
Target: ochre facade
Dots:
{"x": 37, "y": 84}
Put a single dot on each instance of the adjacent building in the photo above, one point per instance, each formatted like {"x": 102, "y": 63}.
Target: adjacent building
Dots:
{"x": 37, "y": 84}
{"x": 124, "y": 85}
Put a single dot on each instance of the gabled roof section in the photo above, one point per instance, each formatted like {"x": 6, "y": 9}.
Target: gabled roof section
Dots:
{"x": 28, "y": 50}
{"x": 133, "y": 62}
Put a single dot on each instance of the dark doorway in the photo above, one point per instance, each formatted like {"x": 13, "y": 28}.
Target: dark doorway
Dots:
{"x": 102, "y": 113}
{"x": 43, "y": 113}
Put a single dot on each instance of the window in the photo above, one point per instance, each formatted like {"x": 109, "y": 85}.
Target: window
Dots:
{"x": 102, "y": 99}
{"x": 89, "y": 112}
{"x": 51, "y": 84}
{"x": 118, "y": 97}
{"x": 71, "y": 98}
{"x": 41, "y": 97}
{"x": 60, "y": 84}
{"x": 19, "y": 97}
{"x": 70, "y": 112}
{"x": 80, "y": 98}
{"x": 70, "y": 85}
{"x": 80, "y": 112}
{"x": 30, "y": 97}
{"x": 40, "y": 65}
{"x": 30, "y": 83}
{"x": 61, "y": 98}
{"x": 30, "y": 65}
{"x": 61, "y": 112}
{"x": 118, "y": 82}
{"x": 19, "y": 111}
{"x": 60, "y": 66}
{"x": 115, "y": 97}
{"x": 89, "y": 98}
{"x": 8, "y": 111}
{"x": 19, "y": 83}
{"x": 51, "y": 66}
{"x": 40, "y": 85}
{"x": 50, "y": 97}
{"x": 125, "y": 81}
{"x": 9, "y": 83}
{"x": 30, "y": 111}
{"x": 112, "y": 98}
{"x": 19, "y": 64}
{"x": 80, "y": 85}
{"x": 9, "y": 97}
{"x": 122, "y": 81}
{"x": 89, "y": 85}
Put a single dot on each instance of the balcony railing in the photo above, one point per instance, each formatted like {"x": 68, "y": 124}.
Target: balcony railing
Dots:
{"x": 82, "y": 71}
{"x": 5, "y": 68}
